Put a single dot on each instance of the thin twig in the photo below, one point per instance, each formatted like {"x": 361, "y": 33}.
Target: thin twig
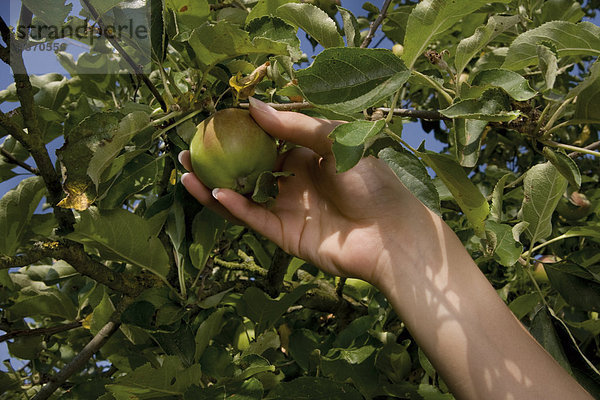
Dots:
{"x": 569, "y": 147}
{"x": 283, "y": 106}
{"x": 592, "y": 146}
{"x": 40, "y": 331}
{"x": 376, "y": 24}
{"x": 12, "y": 160}
{"x": 136, "y": 67}
{"x": 79, "y": 361}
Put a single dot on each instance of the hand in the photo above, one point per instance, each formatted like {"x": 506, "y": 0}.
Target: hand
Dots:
{"x": 343, "y": 223}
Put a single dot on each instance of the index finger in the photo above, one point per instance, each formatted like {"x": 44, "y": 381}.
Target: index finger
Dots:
{"x": 294, "y": 127}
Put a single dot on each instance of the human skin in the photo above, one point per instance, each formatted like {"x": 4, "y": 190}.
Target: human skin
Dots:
{"x": 364, "y": 223}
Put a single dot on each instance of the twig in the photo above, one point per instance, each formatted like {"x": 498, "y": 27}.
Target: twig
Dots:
{"x": 11, "y": 159}
{"x": 40, "y": 331}
{"x": 376, "y": 24}
{"x": 283, "y": 106}
{"x": 79, "y": 361}
{"x": 5, "y": 32}
{"x": 136, "y": 68}
{"x": 592, "y": 146}
{"x": 277, "y": 270}
{"x": 569, "y": 147}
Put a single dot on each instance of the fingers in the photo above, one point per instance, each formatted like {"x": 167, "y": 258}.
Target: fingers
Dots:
{"x": 294, "y": 127}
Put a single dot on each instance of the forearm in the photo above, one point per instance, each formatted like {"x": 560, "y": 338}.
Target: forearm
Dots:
{"x": 480, "y": 349}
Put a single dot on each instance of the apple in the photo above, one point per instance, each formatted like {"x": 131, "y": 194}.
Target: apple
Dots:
{"x": 398, "y": 50}
{"x": 230, "y": 150}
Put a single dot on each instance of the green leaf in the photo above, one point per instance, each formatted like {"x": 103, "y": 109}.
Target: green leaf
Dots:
{"x": 589, "y": 231}
{"x": 265, "y": 311}
{"x": 511, "y": 82}
{"x": 102, "y": 313}
{"x": 348, "y": 80}
{"x": 350, "y": 140}
{"x": 158, "y": 33}
{"x": 524, "y": 304}
{"x": 588, "y": 96}
{"x": 266, "y": 7}
{"x": 466, "y": 194}
{"x": 497, "y": 199}
{"x": 51, "y": 12}
{"x": 543, "y": 187}
{"x": 188, "y": 15}
{"x": 214, "y": 43}
{"x": 308, "y": 387}
{"x": 430, "y": 18}
{"x": 548, "y": 65}
{"x": 500, "y": 239}
{"x": 13, "y": 147}
{"x": 543, "y": 331}
{"x": 251, "y": 389}
{"x": 413, "y": 174}
{"x": 569, "y": 39}
{"x": 575, "y": 284}
{"x": 277, "y": 30}
{"x": 493, "y": 105}
{"x": 129, "y": 126}
{"x": 122, "y": 236}
{"x": 394, "y": 26}
{"x": 180, "y": 343}
{"x": 469, "y": 47}
{"x": 209, "y": 328}
{"x": 16, "y": 209}
{"x": 565, "y": 165}
{"x": 313, "y": 21}
{"x": 351, "y": 28}
{"x": 171, "y": 379}
{"x": 206, "y": 228}
{"x": 468, "y": 134}
{"x": 267, "y": 187}
{"x": 33, "y": 302}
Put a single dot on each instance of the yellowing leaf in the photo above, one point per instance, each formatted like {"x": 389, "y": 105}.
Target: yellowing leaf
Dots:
{"x": 244, "y": 87}
{"x": 77, "y": 197}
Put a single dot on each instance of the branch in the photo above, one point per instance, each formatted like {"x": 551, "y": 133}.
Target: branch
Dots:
{"x": 5, "y": 32}
{"x": 569, "y": 147}
{"x": 277, "y": 270}
{"x": 376, "y": 24}
{"x": 592, "y": 146}
{"x": 79, "y": 361}
{"x": 40, "y": 331}
{"x": 12, "y": 160}
{"x": 74, "y": 254}
{"x": 136, "y": 67}
{"x": 399, "y": 112}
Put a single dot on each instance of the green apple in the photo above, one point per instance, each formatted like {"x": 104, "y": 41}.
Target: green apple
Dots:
{"x": 398, "y": 49}
{"x": 230, "y": 150}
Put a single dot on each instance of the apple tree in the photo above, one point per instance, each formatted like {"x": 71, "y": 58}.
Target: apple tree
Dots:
{"x": 116, "y": 284}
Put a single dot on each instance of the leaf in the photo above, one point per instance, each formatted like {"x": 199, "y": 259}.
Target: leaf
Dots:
{"x": 277, "y": 30}
{"x": 466, "y": 194}
{"x": 16, "y": 209}
{"x": 524, "y": 304}
{"x": 129, "y": 126}
{"x": 171, "y": 379}
{"x": 267, "y": 187}
{"x": 412, "y": 173}
{"x": 588, "y": 96}
{"x": 251, "y": 389}
{"x": 565, "y": 165}
{"x": 468, "y": 134}
{"x": 308, "y": 387}
{"x": 189, "y": 14}
{"x": 265, "y": 8}
{"x": 32, "y": 302}
{"x": 548, "y": 65}
{"x": 350, "y": 140}
{"x": 122, "y": 236}
{"x": 209, "y": 328}
{"x": 589, "y": 231}
{"x": 180, "y": 343}
{"x": 543, "y": 187}
{"x": 206, "y": 228}
{"x": 502, "y": 243}
{"x": 497, "y": 196}
{"x": 351, "y": 28}
{"x": 158, "y": 33}
{"x": 313, "y": 21}
{"x": 216, "y": 43}
{"x": 575, "y": 284}
{"x": 51, "y": 12}
{"x": 265, "y": 311}
{"x": 429, "y": 19}
{"x": 469, "y": 47}
{"x": 569, "y": 39}
{"x": 493, "y": 105}
{"x": 511, "y": 82}
{"x": 394, "y": 26}
{"x": 101, "y": 314}
{"x": 543, "y": 331}
{"x": 347, "y": 80}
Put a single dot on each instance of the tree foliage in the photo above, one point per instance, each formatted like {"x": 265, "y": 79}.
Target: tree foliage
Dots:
{"x": 177, "y": 303}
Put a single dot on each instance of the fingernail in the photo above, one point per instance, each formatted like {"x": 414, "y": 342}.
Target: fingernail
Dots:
{"x": 180, "y": 156}
{"x": 184, "y": 177}
{"x": 215, "y": 193}
{"x": 259, "y": 105}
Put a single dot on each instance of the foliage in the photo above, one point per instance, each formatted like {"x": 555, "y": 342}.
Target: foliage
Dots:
{"x": 207, "y": 309}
